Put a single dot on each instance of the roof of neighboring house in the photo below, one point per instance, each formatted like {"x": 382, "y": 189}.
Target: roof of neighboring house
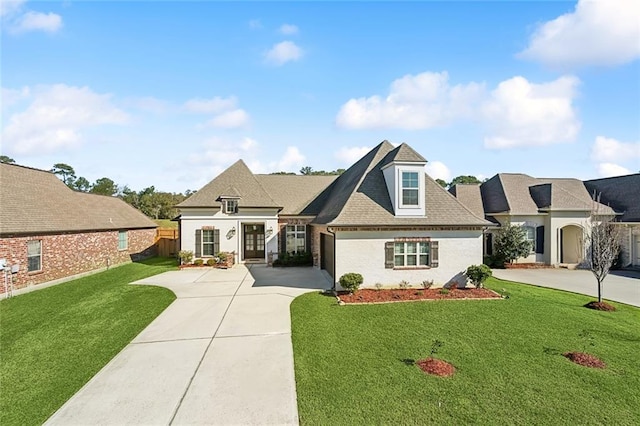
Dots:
{"x": 237, "y": 178}
{"x": 360, "y": 197}
{"x": 36, "y": 201}
{"x": 620, "y": 192}
{"x": 296, "y": 194}
{"x": 469, "y": 195}
{"x": 520, "y": 194}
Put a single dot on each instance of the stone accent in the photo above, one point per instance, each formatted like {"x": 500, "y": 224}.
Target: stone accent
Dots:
{"x": 316, "y": 230}
{"x": 68, "y": 254}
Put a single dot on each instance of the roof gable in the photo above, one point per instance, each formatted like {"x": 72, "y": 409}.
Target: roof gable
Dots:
{"x": 403, "y": 154}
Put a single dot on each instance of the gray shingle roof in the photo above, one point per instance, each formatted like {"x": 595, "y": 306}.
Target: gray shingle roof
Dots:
{"x": 36, "y": 201}
{"x": 239, "y": 177}
{"x": 469, "y": 195}
{"x": 404, "y": 154}
{"x": 295, "y": 193}
{"x": 620, "y": 192}
{"x": 360, "y": 197}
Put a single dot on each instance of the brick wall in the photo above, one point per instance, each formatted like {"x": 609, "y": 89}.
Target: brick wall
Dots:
{"x": 64, "y": 255}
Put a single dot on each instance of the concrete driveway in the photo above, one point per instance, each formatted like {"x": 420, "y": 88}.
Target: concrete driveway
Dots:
{"x": 221, "y": 353}
{"x": 619, "y": 286}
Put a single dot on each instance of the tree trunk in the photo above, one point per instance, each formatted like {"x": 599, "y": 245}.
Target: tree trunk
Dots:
{"x": 600, "y": 290}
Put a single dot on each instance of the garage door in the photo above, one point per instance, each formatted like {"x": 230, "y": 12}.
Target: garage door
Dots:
{"x": 326, "y": 262}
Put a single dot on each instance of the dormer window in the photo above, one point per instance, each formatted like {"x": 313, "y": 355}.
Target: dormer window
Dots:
{"x": 410, "y": 189}
{"x": 230, "y": 206}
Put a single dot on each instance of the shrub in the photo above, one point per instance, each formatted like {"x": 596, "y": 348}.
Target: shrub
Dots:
{"x": 211, "y": 262}
{"x": 444, "y": 291}
{"x": 186, "y": 256}
{"x": 378, "y": 286}
{"x": 222, "y": 256}
{"x": 511, "y": 243}
{"x": 427, "y": 284}
{"x": 351, "y": 281}
{"x": 198, "y": 262}
{"x": 478, "y": 274}
{"x": 301, "y": 258}
{"x": 404, "y": 284}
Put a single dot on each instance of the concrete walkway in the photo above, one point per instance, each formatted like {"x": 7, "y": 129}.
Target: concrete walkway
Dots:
{"x": 619, "y": 286}
{"x": 221, "y": 353}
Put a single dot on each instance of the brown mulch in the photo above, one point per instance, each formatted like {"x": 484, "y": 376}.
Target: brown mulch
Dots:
{"x": 437, "y": 367}
{"x": 584, "y": 359}
{"x": 600, "y": 306}
{"x": 397, "y": 295}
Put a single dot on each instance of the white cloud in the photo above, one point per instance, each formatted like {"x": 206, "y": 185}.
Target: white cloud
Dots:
{"x": 611, "y": 150}
{"x": 602, "y": 32}
{"x": 12, "y": 96}
{"x": 214, "y": 105}
{"x": 414, "y": 102}
{"x": 149, "y": 104}
{"x": 55, "y": 118}
{"x": 283, "y": 52}
{"x": 255, "y": 24}
{"x": 248, "y": 144}
{"x": 292, "y": 159}
{"x": 230, "y": 120}
{"x": 611, "y": 169}
{"x": 36, "y": 21}
{"x": 520, "y": 113}
{"x": 10, "y": 7}
{"x": 438, "y": 170}
{"x": 288, "y": 29}
{"x": 349, "y": 155}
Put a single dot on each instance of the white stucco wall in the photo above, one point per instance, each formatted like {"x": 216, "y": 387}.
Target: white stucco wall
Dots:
{"x": 196, "y": 219}
{"x": 364, "y": 253}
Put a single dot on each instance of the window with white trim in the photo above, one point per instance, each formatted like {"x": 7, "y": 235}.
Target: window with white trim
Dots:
{"x": 530, "y": 235}
{"x": 410, "y": 187}
{"x": 296, "y": 238}
{"x": 411, "y": 254}
{"x": 230, "y": 206}
{"x": 34, "y": 255}
{"x": 208, "y": 242}
{"x": 123, "y": 242}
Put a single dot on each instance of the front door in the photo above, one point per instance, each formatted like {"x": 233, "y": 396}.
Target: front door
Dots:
{"x": 254, "y": 241}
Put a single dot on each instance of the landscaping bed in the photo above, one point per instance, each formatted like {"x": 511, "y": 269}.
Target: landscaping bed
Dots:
{"x": 402, "y": 295}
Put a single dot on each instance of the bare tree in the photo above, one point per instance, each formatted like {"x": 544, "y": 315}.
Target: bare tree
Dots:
{"x": 602, "y": 243}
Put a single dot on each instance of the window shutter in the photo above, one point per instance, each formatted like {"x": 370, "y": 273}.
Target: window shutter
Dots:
{"x": 283, "y": 239}
{"x": 307, "y": 242}
{"x": 388, "y": 255}
{"x": 540, "y": 239}
{"x": 434, "y": 254}
{"x": 489, "y": 244}
{"x": 198, "y": 242}
{"x": 216, "y": 242}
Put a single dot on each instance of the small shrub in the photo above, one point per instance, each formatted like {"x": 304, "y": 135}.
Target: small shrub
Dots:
{"x": 427, "y": 284}
{"x": 404, "y": 285}
{"x": 211, "y": 262}
{"x": 478, "y": 274}
{"x": 222, "y": 256}
{"x": 351, "y": 281}
{"x": 185, "y": 256}
{"x": 378, "y": 286}
{"x": 444, "y": 291}
{"x": 198, "y": 262}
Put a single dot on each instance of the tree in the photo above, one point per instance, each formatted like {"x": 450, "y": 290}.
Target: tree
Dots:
{"x": 282, "y": 173}
{"x": 603, "y": 244}
{"x": 82, "y": 184}
{"x": 65, "y": 172}
{"x": 464, "y": 180}
{"x": 104, "y": 186}
{"x": 511, "y": 243}
{"x": 441, "y": 183}
{"x": 7, "y": 160}
{"x": 306, "y": 170}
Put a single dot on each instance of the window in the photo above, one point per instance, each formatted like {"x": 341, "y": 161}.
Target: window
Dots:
{"x": 230, "y": 206}
{"x": 296, "y": 238}
{"x": 411, "y": 254}
{"x": 34, "y": 255}
{"x": 208, "y": 242}
{"x": 123, "y": 242}
{"x": 531, "y": 236}
{"x": 410, "y": 188}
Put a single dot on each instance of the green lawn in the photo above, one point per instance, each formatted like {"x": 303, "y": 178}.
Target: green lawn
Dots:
{"x": 166, "y": 223}
{"x": 351, "y": 361}
{"x": 54, "y": 340}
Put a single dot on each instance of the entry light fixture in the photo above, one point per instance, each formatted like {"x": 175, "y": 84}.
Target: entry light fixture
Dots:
{"x": 269, "y": 231}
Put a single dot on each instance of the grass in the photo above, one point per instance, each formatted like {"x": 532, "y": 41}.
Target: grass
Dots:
{"x": 353, "y": 364}
{"x": 166, "y": 223}
{"x": 55, "y": 339}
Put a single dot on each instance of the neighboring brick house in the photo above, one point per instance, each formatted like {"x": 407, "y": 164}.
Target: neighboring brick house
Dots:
{"x": 52, "y": 232}
{"x": 383, "y": 218}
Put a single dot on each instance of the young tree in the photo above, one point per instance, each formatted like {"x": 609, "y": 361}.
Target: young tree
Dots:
{"x": 7, "y": 160}
{"x": 442, "y": 183}
{"x": 82, "y": 184}
{"x": 511, "y": 242}
{"x": 104, "y": 186}
{"x": 306, "y": 170}
{"x": 602, "y": 244}
{"x": 65, "y": 172}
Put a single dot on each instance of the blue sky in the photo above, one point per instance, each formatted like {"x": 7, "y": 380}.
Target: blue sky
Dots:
{"x": 171, "y": 93}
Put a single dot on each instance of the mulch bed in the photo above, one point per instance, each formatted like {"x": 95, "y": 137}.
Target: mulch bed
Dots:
{"x": 584, "y": 359}
{"x": 437, "y": 367}
{"x": 600, "y": 306}
{"x": 397, "y": 295}
{"x": 526, "y": 266}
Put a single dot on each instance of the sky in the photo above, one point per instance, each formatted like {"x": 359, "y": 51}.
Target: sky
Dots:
{"x": 169, "y": 94}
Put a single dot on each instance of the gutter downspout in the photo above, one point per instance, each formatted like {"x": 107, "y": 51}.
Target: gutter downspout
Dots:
{"x": 333, "y": 284}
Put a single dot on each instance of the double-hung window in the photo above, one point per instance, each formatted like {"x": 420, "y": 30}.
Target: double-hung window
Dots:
{"x": 410, "y": 188}
{"x": 230, "y": 206}
{"x": 123, "y": 243}
{"x": 34, "y": 255}
{"x": 411, "y": 254}
{"x": 296, "y": 238}
{"x": 531, "y": 236}
{"x": 208, "y": 242}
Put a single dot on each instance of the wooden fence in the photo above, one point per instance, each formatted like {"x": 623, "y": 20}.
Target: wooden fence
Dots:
{"x": 167, "y": 242}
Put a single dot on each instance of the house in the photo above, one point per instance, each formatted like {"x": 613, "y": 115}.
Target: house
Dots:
{"x": 555, "y": 213}
{"x": 49, "y": 232}
{"x": 383, "y": 218}
{"x": 622, "y": 193}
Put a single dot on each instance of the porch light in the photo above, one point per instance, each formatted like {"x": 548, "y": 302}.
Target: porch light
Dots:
{"x": 231, "y": 233}
{"x": 269, "y": 231}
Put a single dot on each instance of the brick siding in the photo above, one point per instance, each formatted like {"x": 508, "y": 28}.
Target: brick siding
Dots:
{"x": 64, "y": 255}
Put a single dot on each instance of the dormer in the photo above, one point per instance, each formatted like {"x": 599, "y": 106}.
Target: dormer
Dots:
{"x": 405, "y": 178}
{"x": 229, "y": 200}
